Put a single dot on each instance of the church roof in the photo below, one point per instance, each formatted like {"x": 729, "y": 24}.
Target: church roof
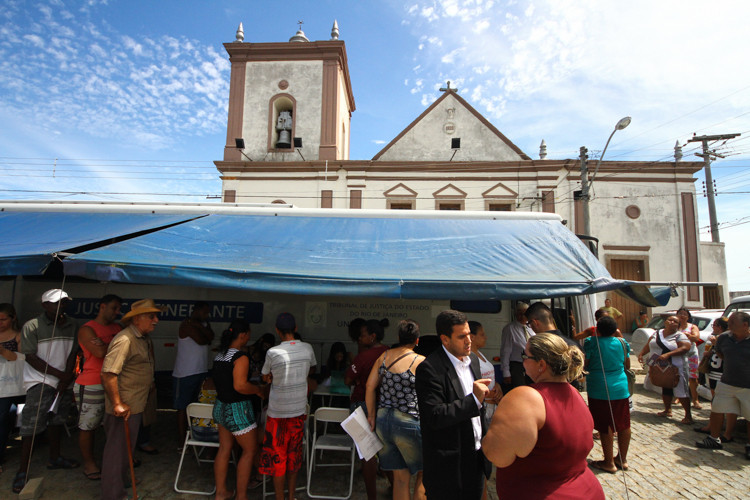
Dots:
{"x": 433, "y": 110}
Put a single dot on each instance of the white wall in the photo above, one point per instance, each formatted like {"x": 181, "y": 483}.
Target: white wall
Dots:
{"x": 428, "y": 139}
{"x": 261, "y": 84}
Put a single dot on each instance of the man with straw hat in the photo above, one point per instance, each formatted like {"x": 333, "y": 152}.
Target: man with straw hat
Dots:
{"x": 127, "y": 375}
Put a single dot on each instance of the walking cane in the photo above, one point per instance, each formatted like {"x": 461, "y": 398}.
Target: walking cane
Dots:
{"x": 130, "y": 459}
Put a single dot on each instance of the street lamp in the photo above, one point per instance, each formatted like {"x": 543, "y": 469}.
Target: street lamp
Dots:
{"x": 586, "y": 184}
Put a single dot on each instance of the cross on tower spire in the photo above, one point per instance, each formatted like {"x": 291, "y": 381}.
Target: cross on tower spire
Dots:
{"x": 448, "y": 88}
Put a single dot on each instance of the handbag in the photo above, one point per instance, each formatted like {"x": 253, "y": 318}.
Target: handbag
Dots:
{"x": 705, "y": 365}
{"x": 630, "y": 374}
{"x": 11, "y": 376}
{"x": 663, "y": 374}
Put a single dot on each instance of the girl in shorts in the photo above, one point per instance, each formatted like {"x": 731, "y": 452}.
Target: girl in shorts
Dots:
{"x": 233, "y": 411}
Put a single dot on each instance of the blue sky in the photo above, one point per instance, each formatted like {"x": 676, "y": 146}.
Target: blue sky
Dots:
{"x": 126, "y": 100}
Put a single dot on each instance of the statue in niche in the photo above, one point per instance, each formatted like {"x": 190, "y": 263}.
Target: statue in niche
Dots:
{"x": 284, "y": 128}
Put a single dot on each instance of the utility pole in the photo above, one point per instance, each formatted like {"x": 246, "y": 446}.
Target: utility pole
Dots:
{"x": 585, "y": 191}
{"x": 706, "y": 155}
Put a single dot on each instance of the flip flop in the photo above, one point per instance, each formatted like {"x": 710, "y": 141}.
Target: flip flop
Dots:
{"x": 148, "y": 450}
{"x": 702, "y": 430}
{"x": 93, "y": 476}
{"x": 665, "y": 413}
{"x": 687, "y": 421}
{"x": 19, "y": 482}
{"x": 619, "y": 465}
{"x": 599, "y": 464}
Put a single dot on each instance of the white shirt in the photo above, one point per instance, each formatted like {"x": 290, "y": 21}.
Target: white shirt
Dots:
{"x": 191, "y": 359}
{"x": 290, "y": 363}
{"x": 463, "y": 370}
{"x": 512, "y": 343}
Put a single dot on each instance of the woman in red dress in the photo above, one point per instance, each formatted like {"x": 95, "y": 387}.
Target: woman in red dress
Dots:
{"x": 541, "y": 434}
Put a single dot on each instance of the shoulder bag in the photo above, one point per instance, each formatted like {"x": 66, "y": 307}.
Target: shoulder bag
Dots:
{"x": 705, "y": 364}
{"x": 663, "y": 374}
{"x": 630, "y": 374}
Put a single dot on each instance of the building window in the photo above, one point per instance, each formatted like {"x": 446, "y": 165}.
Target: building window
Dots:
{"x": 355, "y": 198}
{"x": 548, "y": 201}
{"x": 282, "y": 118}
{"x": 400, "y": 205}
{"x": 400, "y": 197}
{"x": 499, "y": 207}
{"x": 449, "y": 206}
{"x": 326, "y": 198}
{"x": 230, "y": 195}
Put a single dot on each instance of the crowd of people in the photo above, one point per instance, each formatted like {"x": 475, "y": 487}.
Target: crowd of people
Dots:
{"x": 442, "y": 416}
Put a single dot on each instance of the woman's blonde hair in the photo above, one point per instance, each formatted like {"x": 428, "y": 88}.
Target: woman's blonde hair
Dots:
{"x": 562, "y": 359}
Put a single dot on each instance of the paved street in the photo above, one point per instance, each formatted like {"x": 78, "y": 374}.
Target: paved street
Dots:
{"x": 664, "y": 463}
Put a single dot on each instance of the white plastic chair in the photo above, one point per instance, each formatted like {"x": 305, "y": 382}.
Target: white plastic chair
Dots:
{"x": 196, "y": 410}
{"x": 332, "y": 442}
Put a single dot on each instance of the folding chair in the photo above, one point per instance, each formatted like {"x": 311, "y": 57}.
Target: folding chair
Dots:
{"x": 332, "y": 442}
{"x": 196, "y": 410}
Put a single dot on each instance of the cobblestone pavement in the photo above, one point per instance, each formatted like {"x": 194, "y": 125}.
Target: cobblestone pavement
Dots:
{"x": 663, "y": 460}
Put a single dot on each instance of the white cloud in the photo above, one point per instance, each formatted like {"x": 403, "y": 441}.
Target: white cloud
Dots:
{"x": 378, "y": 141}
{"x": 35, "y": 40}
{"x": 131, "y": 44}
{"x": 144, "y": 91}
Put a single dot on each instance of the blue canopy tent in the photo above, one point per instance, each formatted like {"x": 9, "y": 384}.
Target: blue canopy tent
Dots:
{"x": 414, "y": 255}
{"x": 31, "y": 239}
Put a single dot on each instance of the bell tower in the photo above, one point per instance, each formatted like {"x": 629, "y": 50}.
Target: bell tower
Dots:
{"x": 288, "y": 101}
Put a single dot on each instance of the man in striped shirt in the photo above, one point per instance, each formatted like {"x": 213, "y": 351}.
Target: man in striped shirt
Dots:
{"x": 287, "y": 368}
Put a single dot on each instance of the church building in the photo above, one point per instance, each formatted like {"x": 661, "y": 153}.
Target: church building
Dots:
{"x": 288, "y": 135}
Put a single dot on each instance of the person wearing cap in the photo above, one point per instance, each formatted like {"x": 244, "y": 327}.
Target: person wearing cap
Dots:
{"x": 127, "y": 375}
{"x": 287, "y": 368}
{"x": 49, "y": 343}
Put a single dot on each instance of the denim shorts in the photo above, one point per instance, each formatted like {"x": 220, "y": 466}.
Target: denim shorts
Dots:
{"x": 185, "y": 390}
{"x": 402, "y": 440}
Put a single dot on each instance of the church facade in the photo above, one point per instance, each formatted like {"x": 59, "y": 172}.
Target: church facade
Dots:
{"x": 290, "y": 107}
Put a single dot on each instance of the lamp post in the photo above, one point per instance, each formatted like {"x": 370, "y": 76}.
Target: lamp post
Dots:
{"x": 586, "y": 183}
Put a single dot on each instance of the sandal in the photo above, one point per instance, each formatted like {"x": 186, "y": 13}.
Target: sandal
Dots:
{"x": 19, "y": 482}
{"x": 254, "y": 483}
{"x": 687, "y": 421}
{"x": 62, "y": 463}
{"x": 621, "y": 466}
{"x": 665, "y": 413}
{"x": 599, "y": 464}
{"x": 93, "y": 476}
{"x": 702, "y": 430}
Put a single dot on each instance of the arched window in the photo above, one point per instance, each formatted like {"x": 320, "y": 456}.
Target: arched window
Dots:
{"x": 281, "y": 122}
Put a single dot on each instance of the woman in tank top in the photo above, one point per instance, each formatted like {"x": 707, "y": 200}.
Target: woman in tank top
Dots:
{"x": 233, "y": 410}
{"x": 692, "y": 333}
{"x": 10, "y": 339}
{"x": 397, "y": 418}
{"x": 541, "y": 434}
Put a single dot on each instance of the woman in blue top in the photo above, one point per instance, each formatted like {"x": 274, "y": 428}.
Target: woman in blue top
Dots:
{"x": 607, "y": 357}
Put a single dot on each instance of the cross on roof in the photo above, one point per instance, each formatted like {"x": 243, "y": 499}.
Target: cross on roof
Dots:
{"x": 300, "y": 24}
{"x": 448, "y": 87}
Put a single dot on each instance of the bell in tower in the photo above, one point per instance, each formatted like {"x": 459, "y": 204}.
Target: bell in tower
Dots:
{"x": 284, "y": 129}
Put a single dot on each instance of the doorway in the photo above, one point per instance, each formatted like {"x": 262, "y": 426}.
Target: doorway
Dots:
{"x": 627, "y": 269}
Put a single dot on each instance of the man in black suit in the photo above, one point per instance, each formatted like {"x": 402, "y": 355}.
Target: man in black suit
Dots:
{"x": 450, "y": 396}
